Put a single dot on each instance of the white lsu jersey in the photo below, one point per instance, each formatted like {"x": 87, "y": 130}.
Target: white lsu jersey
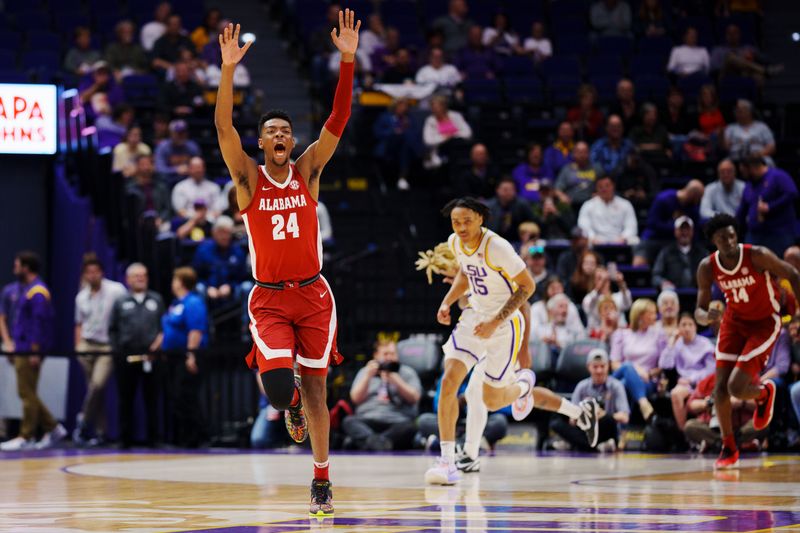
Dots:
{"x": 490, "y": 269}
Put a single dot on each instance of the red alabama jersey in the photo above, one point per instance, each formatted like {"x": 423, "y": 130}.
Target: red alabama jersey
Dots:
{"x": 283, "y": 230}
{"x": 749, "y": 294}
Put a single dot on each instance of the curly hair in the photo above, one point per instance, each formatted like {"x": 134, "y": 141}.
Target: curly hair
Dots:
{"x": 718, "y": 222}
{"x": 466, "y": 202}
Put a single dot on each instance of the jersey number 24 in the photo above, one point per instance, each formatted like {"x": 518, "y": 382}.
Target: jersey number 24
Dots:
{"x": 281, "y": 226}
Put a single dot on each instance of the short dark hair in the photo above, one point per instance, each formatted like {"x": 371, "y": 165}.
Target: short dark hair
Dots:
{"x": 466, "y": 202}
{"x": 686, "y": 314}
{"x": 608, "y": 177}
{"x": 89, "y": 259}
{"x": 754, "y": 161}
{"x": 718, "y": 222}
{"x": 29, "y": 260}
{"x": 269, "y": 115}
{"x": 187, "y": 276}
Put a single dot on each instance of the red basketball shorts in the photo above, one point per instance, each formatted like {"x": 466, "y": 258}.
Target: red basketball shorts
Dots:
{"x": 293, "y": 324}
{"x": 747, "y": 344}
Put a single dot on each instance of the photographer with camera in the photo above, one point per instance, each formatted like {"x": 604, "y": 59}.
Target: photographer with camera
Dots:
{"x": 385, "y": 394}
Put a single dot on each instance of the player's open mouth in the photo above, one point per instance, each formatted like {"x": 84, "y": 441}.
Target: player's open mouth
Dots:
{"x": 280, "y": 149}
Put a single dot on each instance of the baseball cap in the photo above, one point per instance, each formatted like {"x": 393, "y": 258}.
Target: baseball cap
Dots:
{"x": 200, "y": 202}
{"x": 178, "y": 125}
{"x": 680, "y": 221}
{"x": 597, "y": 354}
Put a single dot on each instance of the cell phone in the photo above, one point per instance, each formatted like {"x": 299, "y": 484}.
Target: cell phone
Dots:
{"x": 612, "y": 270}
{"x": 389, "y": 366}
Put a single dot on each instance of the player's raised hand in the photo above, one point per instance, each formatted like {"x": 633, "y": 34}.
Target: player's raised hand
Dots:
{"x": 443, "y": 315}
{"x": 232, "y": 53}
{"x": 347, "y": 40}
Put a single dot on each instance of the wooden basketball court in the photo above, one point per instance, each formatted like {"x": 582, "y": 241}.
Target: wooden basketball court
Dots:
{"x": 69, "y": 491}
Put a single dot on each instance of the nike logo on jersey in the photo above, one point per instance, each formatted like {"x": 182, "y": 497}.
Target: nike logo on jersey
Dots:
{"x": 265, "y": 188}
{"x": 323, "y": 294}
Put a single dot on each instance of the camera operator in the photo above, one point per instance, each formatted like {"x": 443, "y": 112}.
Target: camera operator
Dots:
{"x": 385, "y": 394}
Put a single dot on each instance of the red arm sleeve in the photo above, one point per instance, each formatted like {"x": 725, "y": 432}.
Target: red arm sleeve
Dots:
{"x": 342, "y": 100}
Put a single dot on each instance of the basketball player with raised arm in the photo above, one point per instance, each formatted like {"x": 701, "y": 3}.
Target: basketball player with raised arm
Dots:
{"x": 292, "y": 310}
{"x": 750, "y": 324}
{"x": 490, "y": 331}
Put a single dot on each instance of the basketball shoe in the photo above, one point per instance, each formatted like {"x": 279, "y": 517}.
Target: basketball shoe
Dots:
{"x": 588, "y": 421}
{"x": 465, "y": 463}
{"x": 763, "y": 415}
{"x": 442, "y": 473}
{"x": 727, "y": 459}
{"x": 523, "y": 405}
{"x": 321, "y": 499}
{"x": 295, "y": 418}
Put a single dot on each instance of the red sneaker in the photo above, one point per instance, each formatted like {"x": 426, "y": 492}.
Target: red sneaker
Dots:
{"x": 727, "y": 459}
{"x": 763, "y": 415}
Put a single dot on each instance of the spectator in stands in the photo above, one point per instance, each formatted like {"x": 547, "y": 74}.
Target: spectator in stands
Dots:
{"x": 669, "y": 308}
{"x": 635, "y": 352}
{"x": 481, "y": 177}
{"x": 676, "y": 264}
{"x": 576, "y": 180}
{"x": 437, "y": 72}
{"x": 196, "y": 67}
{"x": 100, "y": 90}
{"x": 610, "y": 395}
{"x": 709, "y": 117}
{"x": 603, "y": 278}
{"x": 651, "y": 137}
{"x": 221, "y": 266}
{"x": 374, "y": 36}
{"x": 32, "y": 331}
{"x": 154, "y": 29}
{"x": 320, "y": 39}
{"x": 747, "y": 136}
{"x": 442, "y": 126}
{"x": 81, "y": 56}
{"x": 198, "y": 226}
{"x": 185, "y": 326}
{"x": 398, "y": 143}
{"x": 539, "y": 314}
{"x": 507, "y": 210}
{"x": 609, "y": 316}
{"x": 767, "y": 208}
{"x": 559, "y": 154}
{"x": 182, "y": 96}
{"x": 195, "y": 187}
{"x": 569, "y": 259}
{"x": 723, "y": 195}
{"x": 625, "y": 105}
{"x": 530, "y": 235}
{"x": 557, "y": 331}
{"x": 207, "y": 31}
{"x": 124, "y": 55}
{"x": 536, "y": 261}
{"x": 152, "y": 196}
{"x": 610, "y": 151}
{"x": 386, "y": 55}
{"x": 385, "y": 394}
{"x": 135, "y": 328}
{"x": 538, "y": 46}
{"x": 554, "y": 215}
{"x": 500, "y": 37}
{"x": 667, "y": 207}
{"x": 636, "y": 180}
{"x": 529, "y": 174}
{"x": 167, "y": 49}
{"x": 112, "y": 128}
{"x": 402, "y": 69}
{"x": 476, "y": 61}
{"x": 161, "y": 130}
{"x": 735, "y": 59}
{"x": 692, "y": 357}
{"x": 677, "y": 119}
{"x": 585, "y": 117}
{"x": 173, "y": 155}
{"x": 582, "y": 280}
{"x": 651, "y": 21}
{"x": 688, "y": 58}
{"x": 611, "y": 18}
{"x": 455, "y": 26}
{"x": 607, "y": 218}
{"x": 126, "y": 152}
{"x": 93, "y": 306}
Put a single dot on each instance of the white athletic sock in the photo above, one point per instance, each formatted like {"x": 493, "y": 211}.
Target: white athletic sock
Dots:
{"x": 570, "y": 409}
{"x": 449, "y": 451}
{"x": 477, "y": 414}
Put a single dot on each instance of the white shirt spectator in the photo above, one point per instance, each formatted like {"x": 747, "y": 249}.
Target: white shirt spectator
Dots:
{"x": 150, "y": 34}
{"x": 241, "y": 77}
{"x": 188, "y": 191}
{"x": 540, "y": 317}
{"x": 610, "y": 222}
{"x": 623, "y": 299}
{"x": 685, "y": 60}
{"x": 446, "y": 76}
{"x": 509, "y": 40}
{"x": 93, "y": 310}
{"x": 718, "y": 200}
{"x": 541, "y": 48}
{"x": 432, "y": 135}
{"x": 369, "y": 41}
{"x": 364, "y": 61}
{"x": 123, "y": 156}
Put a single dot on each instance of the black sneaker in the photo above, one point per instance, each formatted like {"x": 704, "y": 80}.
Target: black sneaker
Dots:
{"x": 465, "y": 463}
{"x": 588, "y": 421}
{"x": 296, "y": 419}
{"x": 321, "y": 499}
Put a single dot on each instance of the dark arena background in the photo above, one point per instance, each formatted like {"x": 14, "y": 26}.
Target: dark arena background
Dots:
{"x": 602, "y": 135}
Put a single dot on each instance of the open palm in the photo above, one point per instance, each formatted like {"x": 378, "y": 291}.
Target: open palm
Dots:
{"x": 229, "y": 45}
{"x": 347, "y": 40}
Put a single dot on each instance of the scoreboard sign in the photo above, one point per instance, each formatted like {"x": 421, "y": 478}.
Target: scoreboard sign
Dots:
{"x": 28, "y": 115}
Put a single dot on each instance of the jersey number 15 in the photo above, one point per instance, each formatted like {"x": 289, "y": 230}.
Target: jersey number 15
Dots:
{"x": 476, "y": 278}
{"x": 281, "y": 226}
